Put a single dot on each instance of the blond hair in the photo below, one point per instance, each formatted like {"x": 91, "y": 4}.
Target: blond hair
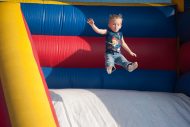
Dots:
{"x": 115, "y": 16}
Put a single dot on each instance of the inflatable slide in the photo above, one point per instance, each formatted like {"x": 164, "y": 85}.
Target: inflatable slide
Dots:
{"x": 52, "y": 70}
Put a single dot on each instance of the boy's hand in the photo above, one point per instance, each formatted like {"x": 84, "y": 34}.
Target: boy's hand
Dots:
{"x": 133, "y": 54}
{"x": 90, "y": 21}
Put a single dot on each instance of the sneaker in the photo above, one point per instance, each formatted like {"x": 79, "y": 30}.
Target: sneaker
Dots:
{"x": 132, "y": 66}
{"x": 110, "y": 70}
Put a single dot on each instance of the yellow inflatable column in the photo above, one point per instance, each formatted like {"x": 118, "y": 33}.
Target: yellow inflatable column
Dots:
{"x": 24, "y": 91}
{"x": 180, "y": 4}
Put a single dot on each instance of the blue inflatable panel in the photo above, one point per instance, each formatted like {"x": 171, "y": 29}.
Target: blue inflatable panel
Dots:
{"x": 146, "y": 80}
{"x": 183, "y": 85}
{"x": 139, "y": 21}
{"x": 187, "y": 4}
{"x": 183, "y": 26}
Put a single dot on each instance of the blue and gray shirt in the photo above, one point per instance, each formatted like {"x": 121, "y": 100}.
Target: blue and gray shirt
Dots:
{"x": 113, "y": 41}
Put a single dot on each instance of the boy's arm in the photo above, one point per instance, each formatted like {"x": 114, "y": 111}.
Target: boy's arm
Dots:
{"x": 95, "y": 28}
{"x": 126, "y": 47}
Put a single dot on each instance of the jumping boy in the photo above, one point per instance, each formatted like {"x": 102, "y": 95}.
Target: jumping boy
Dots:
{"x": 114, "y": 41}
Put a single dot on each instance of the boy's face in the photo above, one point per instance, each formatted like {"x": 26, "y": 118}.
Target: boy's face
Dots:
{"x": 115, "y": 24}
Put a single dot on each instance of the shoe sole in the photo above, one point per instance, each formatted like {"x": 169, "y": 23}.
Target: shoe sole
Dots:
{"x": 133, "y": 67}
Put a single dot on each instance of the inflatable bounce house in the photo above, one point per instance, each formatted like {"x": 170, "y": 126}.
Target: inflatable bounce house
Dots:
{"x": 52, "y": 67}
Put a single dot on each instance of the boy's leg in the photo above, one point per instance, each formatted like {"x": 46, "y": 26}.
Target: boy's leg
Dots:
{"x": 109, "y": 63}
{"x": 121, "y": 60}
